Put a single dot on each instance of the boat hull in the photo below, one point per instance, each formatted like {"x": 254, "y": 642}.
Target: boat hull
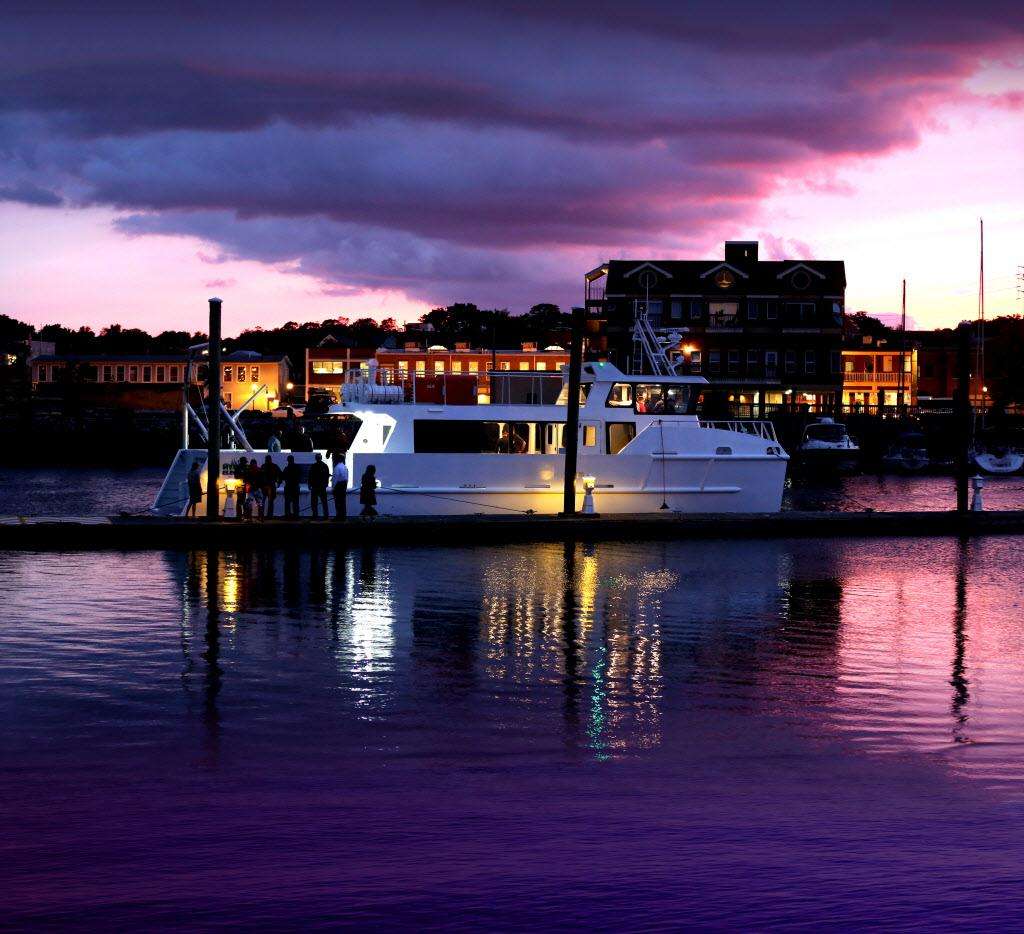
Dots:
{"x": 502, "y": 484}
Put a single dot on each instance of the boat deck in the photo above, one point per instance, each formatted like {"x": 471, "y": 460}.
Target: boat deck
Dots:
{"x": 132, "y": 532}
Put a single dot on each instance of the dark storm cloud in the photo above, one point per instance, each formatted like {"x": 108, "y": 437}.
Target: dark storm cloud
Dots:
{"x": 30, "y": 194}
{"x": 452, "y": 145}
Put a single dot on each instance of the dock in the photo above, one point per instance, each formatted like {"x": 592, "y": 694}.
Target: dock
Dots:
{"x": 144, "y": 532}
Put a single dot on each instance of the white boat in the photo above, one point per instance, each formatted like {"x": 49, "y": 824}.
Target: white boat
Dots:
{"x": 642, "y": 449}
{"x": 999, "y": 460}
{"x": 827, "y": 445}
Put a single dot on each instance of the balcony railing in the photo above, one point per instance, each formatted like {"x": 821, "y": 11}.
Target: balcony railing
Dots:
{"x": 860, "y": 377}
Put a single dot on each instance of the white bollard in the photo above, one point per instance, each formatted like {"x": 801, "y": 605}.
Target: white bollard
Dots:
{"x": 978, "y": 482}
{"x": 588, "y": 497}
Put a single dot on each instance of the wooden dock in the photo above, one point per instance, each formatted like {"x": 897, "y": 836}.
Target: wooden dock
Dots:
{"x": 135, "y": 532}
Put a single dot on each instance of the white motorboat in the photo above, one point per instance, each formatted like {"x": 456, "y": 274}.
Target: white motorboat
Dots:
{"x": 827, "y": 445}
{"x": 642, "y": 448}
{"x": 998, "y": 460}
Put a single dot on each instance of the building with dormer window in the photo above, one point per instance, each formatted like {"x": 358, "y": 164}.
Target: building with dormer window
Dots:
{"x": 766, "y": 334}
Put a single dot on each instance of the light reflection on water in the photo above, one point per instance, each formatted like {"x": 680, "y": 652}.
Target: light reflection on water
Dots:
{"x": 461, "y": 717}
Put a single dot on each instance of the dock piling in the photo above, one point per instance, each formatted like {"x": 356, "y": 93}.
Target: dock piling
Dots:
{"x": 572, "y": 415}
{"x": 213, "y": 416}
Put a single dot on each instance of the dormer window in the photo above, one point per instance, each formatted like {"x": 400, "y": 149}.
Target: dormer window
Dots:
{"x": 724, "y": 279}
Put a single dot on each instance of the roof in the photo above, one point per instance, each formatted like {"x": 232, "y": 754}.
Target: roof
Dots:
{"x": 696, "y": 277}
{"x": 237, "y": 356}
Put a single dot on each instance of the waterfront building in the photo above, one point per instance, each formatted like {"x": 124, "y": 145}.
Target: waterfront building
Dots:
{"x": 468, "y": 365}
{"x": 327, "y": 364}
{"x": 154, "y": 381}
{"x": 766, "y": 334}
{"x": 871, "y": 377}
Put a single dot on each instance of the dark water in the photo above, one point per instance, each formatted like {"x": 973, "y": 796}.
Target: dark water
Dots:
{"x": 690, "y": 734}
{"x": 89, "y": 491}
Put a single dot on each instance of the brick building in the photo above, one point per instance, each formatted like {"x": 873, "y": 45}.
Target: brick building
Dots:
{"x": 154, "y": 381}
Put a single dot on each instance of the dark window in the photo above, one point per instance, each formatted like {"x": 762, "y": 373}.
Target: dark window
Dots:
{"x": 619, "y": 435}
{"x": 159, "y": 374}
{"x": 836, "y": 361}
{"x": 695, "y": 361}
{"x": 771, "y": 311}
{"x": 677, "y": 310}
{"x": 147, "y": 374}
{"x": 790, "y": 361}
{"x": 714, "y": 361}
{"x": 734, "y": 361}
{"x": 810, "y": 362}
{"x": 108, "y": 374}
{"x": 120, "y": 374}
{"x": 754, "y": 311}
{"x": 471, "y": 437}
{"x": 696, "y": 309}
{"x": 802, "y": 312}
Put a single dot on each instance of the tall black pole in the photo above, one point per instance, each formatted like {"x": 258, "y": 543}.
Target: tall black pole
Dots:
{"x": 963, "y": 417}
{"x": 571, "y": 438}
{"x": 213, "y": 416}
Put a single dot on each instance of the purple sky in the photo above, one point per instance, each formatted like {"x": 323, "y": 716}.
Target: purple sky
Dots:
{"x": 308, "y": 160}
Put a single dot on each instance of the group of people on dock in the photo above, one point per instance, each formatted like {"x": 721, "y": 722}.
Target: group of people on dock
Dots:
{"x": 256, "y": 487}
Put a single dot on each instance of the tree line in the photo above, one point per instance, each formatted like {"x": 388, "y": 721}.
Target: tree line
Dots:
{"x": 458, "y": 322}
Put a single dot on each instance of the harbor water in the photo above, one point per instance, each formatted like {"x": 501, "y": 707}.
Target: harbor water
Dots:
{"x": 720, "y": 734}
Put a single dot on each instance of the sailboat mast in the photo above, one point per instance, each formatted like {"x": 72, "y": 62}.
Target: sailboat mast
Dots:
{"x": 980, "y": 367}
{"x": 903, "y": 349}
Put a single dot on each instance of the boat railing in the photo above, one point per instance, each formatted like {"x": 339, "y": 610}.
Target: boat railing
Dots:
{"x": 760, "y": 429}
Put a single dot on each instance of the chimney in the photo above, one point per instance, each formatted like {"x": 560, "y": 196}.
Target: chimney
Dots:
{"x": 529, "y": 346}
{"x": 741, "y": 253}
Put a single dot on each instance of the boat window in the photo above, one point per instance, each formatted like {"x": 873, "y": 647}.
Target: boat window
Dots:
{"x": 442, "y": 436}
{"x": 563, "y": 395}
{"x": 589, "y": 436}
{"x": 621, "y": 395}
{"x": 619, "y": 435}
{"x": 723, "y": 450}
{"x": 664, "y": 399}
{"x": 829, "y": 433}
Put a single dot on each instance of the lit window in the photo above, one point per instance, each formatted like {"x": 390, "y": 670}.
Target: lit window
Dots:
{"x": 439, "y": 366}
{"x": 254, "y": 374}
{"x": 541, "y": 365}
{"x": 504, "y": 365}
{"x": 589, "y": 436}
{"x": 241, "y": 374}
{"x": 228, "y": 373}
{"x": 456, "y": 366}
{"x": 474, "y": 366}
{"x": 421, "y": 366}
{"x": 524, "y": 365}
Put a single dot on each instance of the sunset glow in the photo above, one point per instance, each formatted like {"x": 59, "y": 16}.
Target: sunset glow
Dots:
{"x": 303, "y": 171}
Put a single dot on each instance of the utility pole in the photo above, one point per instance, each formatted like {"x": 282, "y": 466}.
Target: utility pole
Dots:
{"x": 213, "y": 416}
{"x": 571, "y": 438}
